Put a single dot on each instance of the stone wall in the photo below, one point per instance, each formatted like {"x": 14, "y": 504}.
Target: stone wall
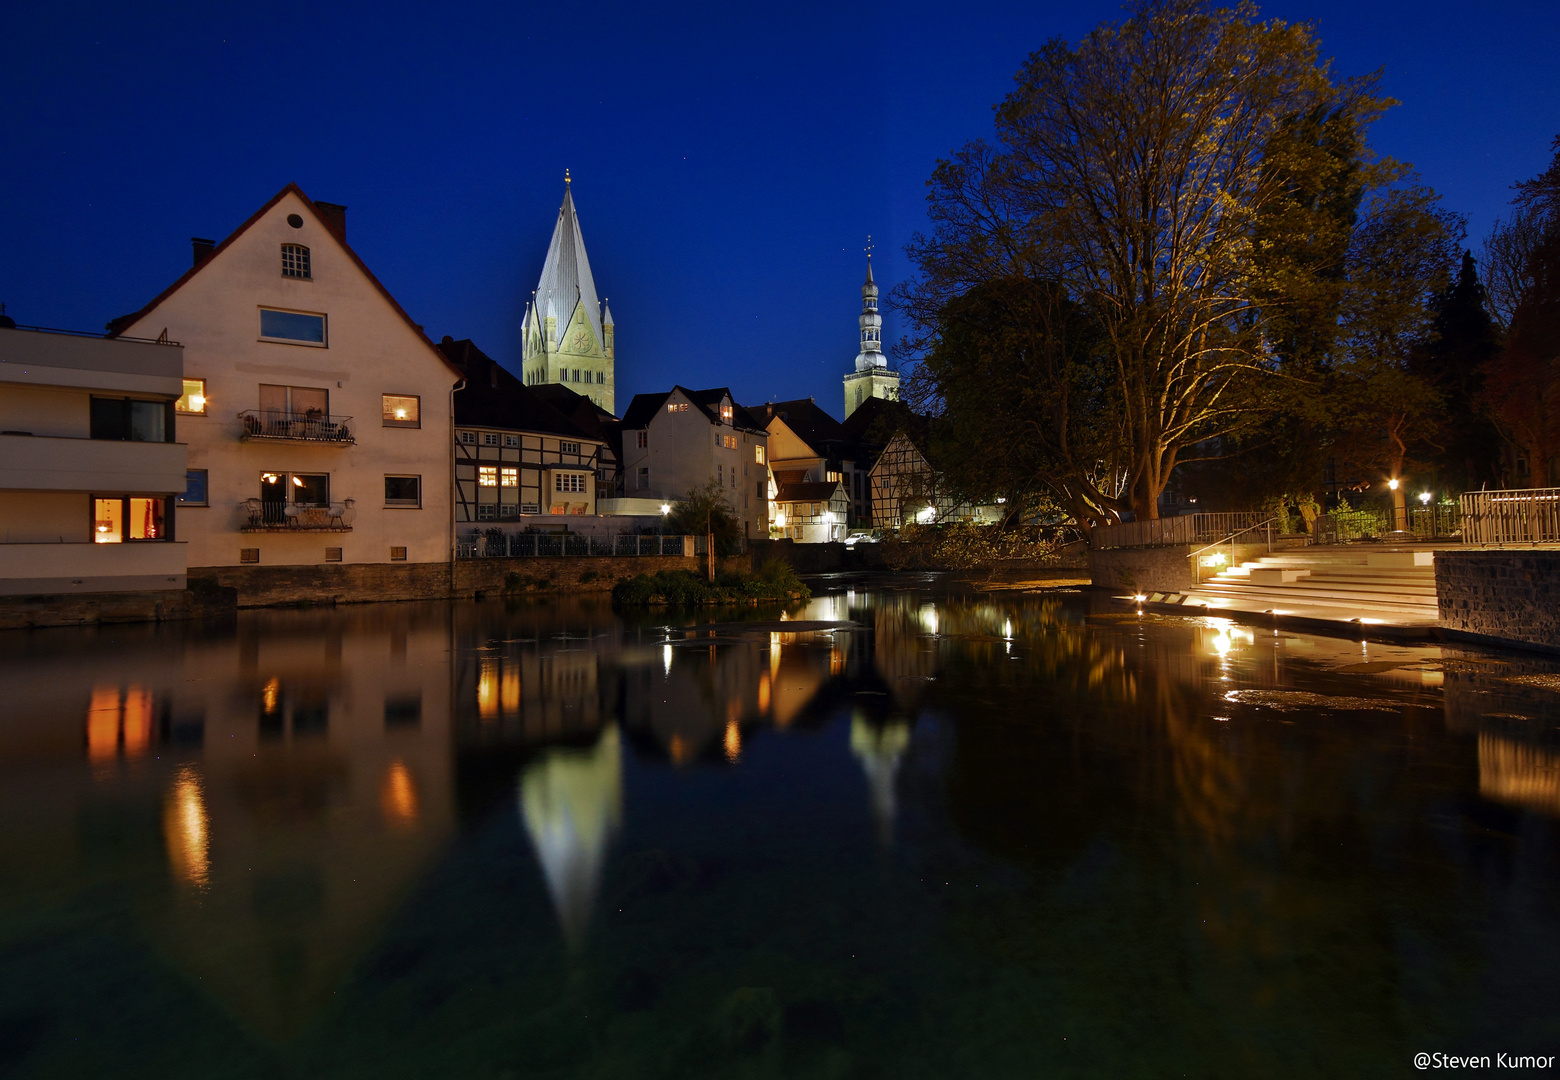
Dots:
{"x": 1157, "y": 569}
{"x": 83, "y": 609}
{"x": 1509, "y": 594}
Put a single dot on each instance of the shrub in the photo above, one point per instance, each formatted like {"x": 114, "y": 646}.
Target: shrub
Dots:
{"x": 681, "y": 588}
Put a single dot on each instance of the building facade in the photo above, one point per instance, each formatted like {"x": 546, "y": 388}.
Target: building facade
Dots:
{"x": 807, "y": 445}
{"x": 682, "y": 439}
{"x": 568, "y": 334}
{"x": 323, "y": 432}
{"x": 90, "y": 466}
{"x": 873, "y": 378}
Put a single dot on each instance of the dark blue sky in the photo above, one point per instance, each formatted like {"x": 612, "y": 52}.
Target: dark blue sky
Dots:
{"x": 728, "y": 161}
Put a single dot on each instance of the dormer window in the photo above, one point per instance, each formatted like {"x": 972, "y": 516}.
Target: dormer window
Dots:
{"x": 725, "y": 413}
{"x": 295, "y": 261}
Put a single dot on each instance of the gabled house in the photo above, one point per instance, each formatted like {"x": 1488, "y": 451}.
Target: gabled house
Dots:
{"x": 316, "y": 412}
{"x": 681, "y": 439}
{"x": 518, "y": 458}
{"x": 908, "y": 489}
{"x": 813, "y": 512}
{"x": 807, "y": 445}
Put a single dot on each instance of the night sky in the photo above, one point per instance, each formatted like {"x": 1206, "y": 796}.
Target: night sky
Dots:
{"x": 728, "y": 162}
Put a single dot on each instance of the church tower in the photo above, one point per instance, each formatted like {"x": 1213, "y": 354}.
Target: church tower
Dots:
{"x": 568, "y": 332}
{"x": 872, "y": 377}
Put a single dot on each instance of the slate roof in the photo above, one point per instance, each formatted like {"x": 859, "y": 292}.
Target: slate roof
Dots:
{"x": 876, "y": 420}
{"x": 331, "y": 219}
{"x": 566, "y": 281}
{"x": 494, "y": 398}
{"x": 812, "y": 425}
{"x": 644, "y": 406}
{"x": 820, "y": 491}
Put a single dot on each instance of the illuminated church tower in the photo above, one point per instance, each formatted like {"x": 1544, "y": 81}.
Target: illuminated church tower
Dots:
{"x": 872, "y": 377}
{"x": 568, "y": 332}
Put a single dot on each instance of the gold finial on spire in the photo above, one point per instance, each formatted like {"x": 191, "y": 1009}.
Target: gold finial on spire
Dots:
{"x": 868, "y": 248}
{"x": 565, "y": 176}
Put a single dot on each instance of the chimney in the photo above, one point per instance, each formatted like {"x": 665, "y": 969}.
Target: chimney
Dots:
{"x": 202, "y": 247}
{"x": 335, "y": 216}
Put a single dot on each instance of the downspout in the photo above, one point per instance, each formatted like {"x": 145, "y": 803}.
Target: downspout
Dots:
{"x": 450, "y": 450}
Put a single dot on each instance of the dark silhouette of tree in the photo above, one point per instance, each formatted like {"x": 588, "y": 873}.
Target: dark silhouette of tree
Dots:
{"x": 1463, "y": 341}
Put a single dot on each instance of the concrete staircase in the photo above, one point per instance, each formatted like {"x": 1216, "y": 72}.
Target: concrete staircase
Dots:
{"x": 1340, "y": 584}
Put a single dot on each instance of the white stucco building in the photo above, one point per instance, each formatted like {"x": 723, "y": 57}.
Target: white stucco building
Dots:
{"x": 317, "y": 414}
{"x": 568, "y": 332}
{"x": 90, "y": 464}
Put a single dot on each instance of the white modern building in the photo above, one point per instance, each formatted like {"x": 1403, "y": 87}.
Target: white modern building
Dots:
{"x": 90, "y": 464}
{"x": 317, "y": 414}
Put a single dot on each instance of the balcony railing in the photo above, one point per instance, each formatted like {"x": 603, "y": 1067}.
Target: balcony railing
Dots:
{"x": 285, "y": 426}
{"x": 1529, "y": 516}
{"x": 263, "y": 515}
{"x": 500, "y": 545}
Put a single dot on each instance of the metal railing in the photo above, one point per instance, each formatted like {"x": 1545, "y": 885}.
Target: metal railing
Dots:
{"x": 501, "y": 545}
{"x": 266, "y": 515}
{"x": 1524, "y": 516}
{"x": 1266, "y": 525}
{"x": 1186, "y": 529}
{"x": 95, "y": 334}
{"x": 296, "y": 427}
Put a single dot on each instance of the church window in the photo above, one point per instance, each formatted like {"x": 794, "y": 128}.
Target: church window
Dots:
{"x": 871, "y": 303}
{"x": 295, "y": 261}
{"x": 601, "y": 378}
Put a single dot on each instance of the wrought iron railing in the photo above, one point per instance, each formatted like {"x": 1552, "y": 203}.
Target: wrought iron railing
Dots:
{"x": 266, "y": 515}
{"x": 1524, "y": 516}
{"x": 1186, "y": 529}
{"x": 296, "y": 427}
{"x": 497, "y": 544}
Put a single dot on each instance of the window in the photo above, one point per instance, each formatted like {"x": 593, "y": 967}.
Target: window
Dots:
{"x": 511, "y": 440}
{"x": 486, "y": 512}
{"x": 332, "y": 554}
{"x": 644, "y": 439}
{"x": 402, "y": 410}
{"x": 601, "y": 378}
{"x": 468, "y": 437}
{"x": 487, "y": 475}
{"x": 490, "y": 438}
{"x": 758, "y": 454}
{"x": 130, "y": 421}
{"x": 301, "y": 489}
{"x": 725, "y": 413}
{"x": 507, "y": 510}
{"x": 403, "y": 491}
{"x": 832, "y": 477}
{"x": 720, "y": 476}
{"x": 509, "y": 477}
{"x": 117, "y": 518}
{"x": 295, "y": 262}
{"x": 576, "y": 374}
{"x": 530, "y": 508}
{"x": 194, "y": 489}
{"x": 292, "y": 326}
{"x": 677, "y": 406}
{"x": 193, "y": 400}
{"x": 398, "y": 554}
{"x": 644, "y": 477}
{"x": 569, "y": 448}
{"x": 293, "y": 403}
{"x": 731, "y": 442}
{"x": 574, "y": 482}
{"x": 250, "y": 555}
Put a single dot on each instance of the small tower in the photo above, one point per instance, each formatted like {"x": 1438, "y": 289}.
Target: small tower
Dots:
{"x": 872, "y": 377}
{"x": 568, "y": 333}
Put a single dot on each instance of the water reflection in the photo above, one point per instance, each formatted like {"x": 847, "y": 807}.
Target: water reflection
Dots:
{"x": 185, "y": 825}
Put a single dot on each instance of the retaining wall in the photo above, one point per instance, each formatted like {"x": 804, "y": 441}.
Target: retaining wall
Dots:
{"x": 1157, "y": 569}
{"x": 1507, "y": 594}
{"x": 83, "y": 609}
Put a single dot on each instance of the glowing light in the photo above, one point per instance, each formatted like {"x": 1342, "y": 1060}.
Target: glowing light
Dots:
{"x": 509, "y": 689}
{"x": 271, "y": 696}
{"x": 666, "y": 658}
{"x": 197, "y": 402}
{"x": 763, "y": 692}
{"x": 269, "y": 478}
{"x": 103, "y": 723}
{"x": 1221, "y": 643}
{"x": 929, "y": 618}
{"x": 679, "y": 750}
{"x": 398, "y": 797}
{"x": 1425, "y": 497}
{"x": 487, "y": 688}
{"x": 1140, "y": 597}
{"x": 1007, "y": 628}
{"x": 733, "y": 741}
{"x": 400, "y": 414}
{"x": 926, "y": 516}
{"x": 137, "y": 721}
{"x": 1392, "y": 484}
{"x": 297, "y": 481}
{"x": 666, "y": 508}
{"x": 186, "y": 828}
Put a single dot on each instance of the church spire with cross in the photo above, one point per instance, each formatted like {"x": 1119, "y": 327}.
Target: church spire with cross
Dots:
{"x": 872, "y": 377}
{"x": 568, "y": 332}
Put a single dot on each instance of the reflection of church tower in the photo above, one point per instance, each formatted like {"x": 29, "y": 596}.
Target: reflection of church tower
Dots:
{"x": 572, "y": 802}
{"x": 568, "y": 333}
{"x": 872, "y": 377}
{"x": 880, "y": 746}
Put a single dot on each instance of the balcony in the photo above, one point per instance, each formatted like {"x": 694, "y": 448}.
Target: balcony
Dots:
{"x": 51, "y": 463}
{"x": 263, "y": 516}
{"x": 34, "y": 569}
{"x": 274, "y": 425}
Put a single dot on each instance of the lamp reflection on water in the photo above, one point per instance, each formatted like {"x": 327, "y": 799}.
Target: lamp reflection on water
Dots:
{"x": 186, "y": 829}
{"x": 733, "y": 741}
{"x": 398, "y": 796}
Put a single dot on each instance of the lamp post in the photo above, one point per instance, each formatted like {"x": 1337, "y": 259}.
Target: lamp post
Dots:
{"x": 1399, "y": 505}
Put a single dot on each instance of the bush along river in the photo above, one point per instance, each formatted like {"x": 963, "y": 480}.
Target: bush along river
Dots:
{"x": 902, "y": 829}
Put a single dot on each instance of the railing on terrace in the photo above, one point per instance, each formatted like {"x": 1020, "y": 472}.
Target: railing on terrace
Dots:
{"x": 95, "y": 334}
{"x": 265, "y": 515}
{"x": 1187, "y": 529}
{"x": 559, "y": 545}
{"x": 1524, "y": 516}
{"x": 1368, "y": 522}
{"x": 296, "y": 427}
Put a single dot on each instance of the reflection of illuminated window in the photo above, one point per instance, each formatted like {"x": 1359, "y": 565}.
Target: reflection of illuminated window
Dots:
{"x": 186, "y": 829}
{"x": 498, "y": 687}
{"x": 398, "y": 796}
{"x": 119, "y": 721}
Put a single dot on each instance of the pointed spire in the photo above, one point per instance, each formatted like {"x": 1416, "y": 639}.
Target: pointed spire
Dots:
{"x": 606, "y": 318}
{"x": 566, "y": 278}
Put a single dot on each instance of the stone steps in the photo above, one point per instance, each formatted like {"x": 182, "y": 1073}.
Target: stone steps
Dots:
{"x": 1335, "y": 584}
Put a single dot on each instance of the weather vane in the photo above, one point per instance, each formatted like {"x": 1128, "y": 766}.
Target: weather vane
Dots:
{"x": 565, "y": 176}
{"x": 868, "y": 248}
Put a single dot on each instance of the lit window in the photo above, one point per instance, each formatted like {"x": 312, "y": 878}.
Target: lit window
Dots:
{"x": 195, "y": 488}
{"x": 731, "y": 442}
{"x": 403, "y": 491}
{"x": 569, "y": 448}
{"x": 295, "y": 261}
{"x": 490, "y": 438}
{"x": 569, "y": 482}
{"x": 402, "y": 410}
{"x": 120, "y": 518}
{"x": 677, "y": 406}
{"x": 510, "y": 477}
{"x": 193, "y": 400}
{"x": 108, "y": 521}
{"x": 487, "y": 475}
{"x": 725, "y": 413}
{"x": 292, "y": 326}
{"x": 758, "y": 454}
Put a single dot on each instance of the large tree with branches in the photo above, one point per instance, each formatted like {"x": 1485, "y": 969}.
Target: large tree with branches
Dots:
{"x": 1189, "y": 179}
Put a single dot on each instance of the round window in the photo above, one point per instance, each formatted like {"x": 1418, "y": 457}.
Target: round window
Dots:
{"x": 295, "y": 221}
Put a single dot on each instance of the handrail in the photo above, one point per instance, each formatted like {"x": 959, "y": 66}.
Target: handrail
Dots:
{"x": 1196, "y": 571}
{"x": 94, "y": 334}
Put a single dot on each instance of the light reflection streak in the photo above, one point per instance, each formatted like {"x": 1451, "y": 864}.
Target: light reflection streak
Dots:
{"x": 733, "y": 741}
{"x": 398, "y": 796}
{"x": 186, "y": 829}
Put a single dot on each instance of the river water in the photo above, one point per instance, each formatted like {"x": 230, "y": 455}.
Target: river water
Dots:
{"x": 909, "y": 830}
